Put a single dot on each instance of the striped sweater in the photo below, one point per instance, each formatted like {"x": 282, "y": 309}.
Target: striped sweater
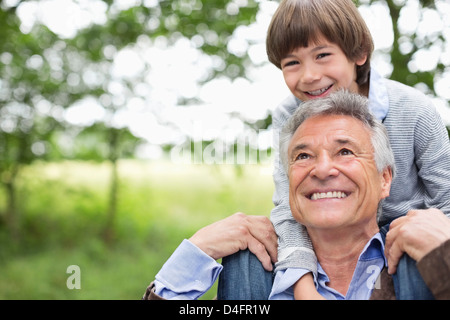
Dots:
{"x": 421, "y": 148}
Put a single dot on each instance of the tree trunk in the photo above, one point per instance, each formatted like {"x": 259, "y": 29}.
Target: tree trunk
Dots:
{"x": 12, "y": 215}
{"x": 109, "y": 233}
{"x": 111, "y": 213}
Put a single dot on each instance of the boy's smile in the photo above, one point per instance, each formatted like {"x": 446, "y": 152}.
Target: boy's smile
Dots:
{"x": 319, "y": 69}
{"x": 319, "y": 93}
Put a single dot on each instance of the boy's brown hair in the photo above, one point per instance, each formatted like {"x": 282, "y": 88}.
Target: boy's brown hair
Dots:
{"x": 299, "y": 23}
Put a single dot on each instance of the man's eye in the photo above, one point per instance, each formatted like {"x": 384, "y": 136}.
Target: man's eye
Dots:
{"x": 346, "y": 152}
{"x": 302, "y": 156}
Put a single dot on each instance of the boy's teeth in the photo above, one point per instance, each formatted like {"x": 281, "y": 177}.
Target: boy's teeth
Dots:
{"x": 328, "y": 195}
{"x": 318, "y": 92}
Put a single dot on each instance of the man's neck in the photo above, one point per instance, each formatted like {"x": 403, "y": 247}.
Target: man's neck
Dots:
{"x": 338, "y": 254}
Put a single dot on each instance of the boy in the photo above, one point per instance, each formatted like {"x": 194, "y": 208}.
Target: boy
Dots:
{"x": 322, "y": 46}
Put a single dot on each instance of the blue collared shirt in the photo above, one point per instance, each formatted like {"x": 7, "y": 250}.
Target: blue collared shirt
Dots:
{"x": 189, "y": 273}
{"x": 368, "y": 268}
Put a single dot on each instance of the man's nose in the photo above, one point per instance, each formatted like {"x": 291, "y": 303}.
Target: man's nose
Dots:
{"x": 324, "y": 167}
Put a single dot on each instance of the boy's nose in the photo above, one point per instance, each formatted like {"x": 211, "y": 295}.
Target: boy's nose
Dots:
{"x": 310, "y": 74}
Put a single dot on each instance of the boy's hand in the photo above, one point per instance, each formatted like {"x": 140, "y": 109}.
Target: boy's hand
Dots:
{"x": 417, "y": 233}
{"x": 304, "y": 289}
{"x": 239, "y": 232}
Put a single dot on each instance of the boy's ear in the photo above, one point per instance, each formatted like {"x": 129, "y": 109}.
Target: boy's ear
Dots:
{"x": 362, "y": 60}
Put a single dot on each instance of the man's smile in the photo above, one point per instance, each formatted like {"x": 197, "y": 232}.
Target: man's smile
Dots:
{"x": 328, "y": 195}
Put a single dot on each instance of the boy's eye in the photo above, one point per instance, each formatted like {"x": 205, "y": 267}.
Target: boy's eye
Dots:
{"x": 323, "y": 55}
{"x": 291, "y": 63}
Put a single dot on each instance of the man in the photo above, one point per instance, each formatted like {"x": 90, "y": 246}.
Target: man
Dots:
{"x": 340, "y": 166}
{"x": 336, "y": 186}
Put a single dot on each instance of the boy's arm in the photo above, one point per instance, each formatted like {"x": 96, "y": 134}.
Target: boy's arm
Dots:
{"x": 294, "y": 246}
{"x": 432, "y": 150}
{"x": 304, "y": 289}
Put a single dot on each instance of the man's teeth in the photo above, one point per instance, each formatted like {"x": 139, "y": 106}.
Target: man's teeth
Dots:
{"x": 318, "y": 92}
{"x": 328, "y": 195}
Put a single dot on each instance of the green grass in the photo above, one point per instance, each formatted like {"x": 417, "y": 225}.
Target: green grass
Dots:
{"x": 62, "y": 212}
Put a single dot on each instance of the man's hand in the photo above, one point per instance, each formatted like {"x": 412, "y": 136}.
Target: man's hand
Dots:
{"x": 417, "y": 233}
{"x": 239, "y": 232}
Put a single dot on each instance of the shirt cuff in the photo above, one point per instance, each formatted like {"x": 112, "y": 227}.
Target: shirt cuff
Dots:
{"x": 188, "y": 273}
{"x": 284, "y": 281}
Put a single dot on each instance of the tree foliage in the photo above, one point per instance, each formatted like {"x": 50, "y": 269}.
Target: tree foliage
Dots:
{"x": 42, "y": 75}
{"x": 401, "y": 58}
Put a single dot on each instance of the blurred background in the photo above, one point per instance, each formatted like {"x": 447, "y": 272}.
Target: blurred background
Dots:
{"x": 126, "y": 125}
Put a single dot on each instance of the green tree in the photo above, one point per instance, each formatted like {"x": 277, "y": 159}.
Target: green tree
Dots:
{"x": 30, "y": 98}
{"x": 99, "y": 143}
{"x": 400, "y": 59}
{"x": 42, "y": 75}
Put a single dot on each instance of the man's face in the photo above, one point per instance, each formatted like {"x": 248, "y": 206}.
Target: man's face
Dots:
{"x": 318, "y": 70}
{"x": 334, "y": 182}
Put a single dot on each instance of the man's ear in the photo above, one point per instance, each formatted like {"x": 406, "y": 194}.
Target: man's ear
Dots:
{"x": 386, "y": 181}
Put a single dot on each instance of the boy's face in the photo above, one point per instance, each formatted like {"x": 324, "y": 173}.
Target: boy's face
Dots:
{"x": 319, "y": 69}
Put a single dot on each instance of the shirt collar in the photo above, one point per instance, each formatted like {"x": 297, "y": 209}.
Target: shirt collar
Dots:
{"x": 378, "y": 96}
{"x": 374, "y": 249}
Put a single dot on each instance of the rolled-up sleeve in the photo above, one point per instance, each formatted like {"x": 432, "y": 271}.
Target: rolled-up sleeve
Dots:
{"x": 187, "y": 274}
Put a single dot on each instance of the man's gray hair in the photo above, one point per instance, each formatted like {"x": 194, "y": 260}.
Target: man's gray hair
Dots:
{"x": 340, "y": 103}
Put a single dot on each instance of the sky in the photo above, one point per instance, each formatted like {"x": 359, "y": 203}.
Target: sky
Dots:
{"x": 176, "y": 70}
